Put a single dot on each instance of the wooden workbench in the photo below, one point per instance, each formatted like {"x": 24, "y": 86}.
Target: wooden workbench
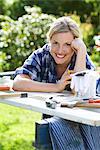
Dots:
{"x": 36, "y": 102}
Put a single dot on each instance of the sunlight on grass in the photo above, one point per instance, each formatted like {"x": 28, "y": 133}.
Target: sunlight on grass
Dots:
{"x": 17, "y": 128}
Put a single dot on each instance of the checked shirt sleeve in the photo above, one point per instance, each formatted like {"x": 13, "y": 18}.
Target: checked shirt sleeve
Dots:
{"x": 31, "y": 67}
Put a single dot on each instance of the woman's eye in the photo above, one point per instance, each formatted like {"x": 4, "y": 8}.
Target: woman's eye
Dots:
{"x": 68, "y": 44}
{"x": 55, "y": 43}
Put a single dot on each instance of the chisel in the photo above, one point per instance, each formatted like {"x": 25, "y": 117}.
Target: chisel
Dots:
{"x": 88, "y": 104}
{"x": 13, "y": 94}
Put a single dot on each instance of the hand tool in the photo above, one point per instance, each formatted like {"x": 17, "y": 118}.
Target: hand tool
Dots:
{"x": 51, "y": 102}
{"x": 81, "y": 73}
{"x": 91, "y": 103}
{"x": 4, "y": 88}
{"x": 94, "y": 100}
{"x": 13, "y": 94}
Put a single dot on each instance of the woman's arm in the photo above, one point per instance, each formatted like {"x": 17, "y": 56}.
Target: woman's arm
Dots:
{"x": 24, "y": 83}
{"x": 79, "y": 47}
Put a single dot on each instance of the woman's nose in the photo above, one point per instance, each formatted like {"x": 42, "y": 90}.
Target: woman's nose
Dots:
{"x": 60, "y": 49}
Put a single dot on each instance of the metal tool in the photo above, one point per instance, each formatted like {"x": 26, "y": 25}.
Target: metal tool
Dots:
{"x": 51, "y": 102}
{"x": 13, "y": 94}
{"x": 91, "y": 103}
{"x": 81, "y": 73}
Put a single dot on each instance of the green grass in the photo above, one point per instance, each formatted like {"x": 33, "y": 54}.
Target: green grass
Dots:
{"x": 17, "y": 128}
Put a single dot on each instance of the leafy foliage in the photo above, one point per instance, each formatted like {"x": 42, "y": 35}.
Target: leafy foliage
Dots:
{"x": 2, "y": 9}
{"x": 19, "y": 38}
{"x": 88, "y": 10}
{"x": 16, "y": 10}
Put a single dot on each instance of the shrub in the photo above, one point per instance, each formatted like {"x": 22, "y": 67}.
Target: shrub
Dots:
{"x": 19, "y": 38}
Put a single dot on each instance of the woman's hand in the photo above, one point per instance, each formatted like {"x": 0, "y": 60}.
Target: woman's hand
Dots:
{"x": 80, "y": 49}
{"x": 65, "y": 80}
{"x": 78, "y": 45}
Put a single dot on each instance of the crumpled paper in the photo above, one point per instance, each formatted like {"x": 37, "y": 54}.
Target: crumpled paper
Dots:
{"x": 85, "y": 86}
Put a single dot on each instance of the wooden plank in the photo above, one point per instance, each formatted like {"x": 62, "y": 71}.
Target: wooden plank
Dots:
{"x": 62, "y": 97}
{"x": 8, "y": 73}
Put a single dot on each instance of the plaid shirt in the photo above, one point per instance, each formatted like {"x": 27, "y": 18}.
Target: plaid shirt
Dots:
{"x": 40, "y": 65}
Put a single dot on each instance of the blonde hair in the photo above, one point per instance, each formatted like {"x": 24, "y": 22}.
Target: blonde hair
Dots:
{"x": 64, "y": 24}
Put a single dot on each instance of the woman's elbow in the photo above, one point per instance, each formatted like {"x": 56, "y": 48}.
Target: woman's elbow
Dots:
{"x": 17, "y": 84}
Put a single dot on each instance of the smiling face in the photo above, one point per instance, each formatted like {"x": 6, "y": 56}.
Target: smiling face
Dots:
{"x": 61, "y": 47}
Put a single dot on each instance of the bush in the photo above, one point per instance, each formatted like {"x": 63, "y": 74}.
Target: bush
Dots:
{"x": 19, "y": 38}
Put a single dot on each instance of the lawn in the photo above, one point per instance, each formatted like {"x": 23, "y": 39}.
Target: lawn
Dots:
{"x": 17, "y": 128}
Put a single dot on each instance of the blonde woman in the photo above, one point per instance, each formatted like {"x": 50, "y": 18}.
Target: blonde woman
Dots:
{"x": 46, "y": 66}
{"x": 46, "y": 70}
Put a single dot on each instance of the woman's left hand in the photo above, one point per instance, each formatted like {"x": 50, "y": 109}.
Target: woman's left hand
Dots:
{"x": 80, "y": 49}
{"x": 78, "y": 44}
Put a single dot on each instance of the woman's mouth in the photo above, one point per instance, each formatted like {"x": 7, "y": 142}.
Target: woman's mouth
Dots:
{"x": 60, "y": 56}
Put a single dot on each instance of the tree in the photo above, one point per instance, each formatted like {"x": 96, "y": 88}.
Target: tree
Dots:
{"x": 2, "y": 7}
{"x": 16, "y": 10}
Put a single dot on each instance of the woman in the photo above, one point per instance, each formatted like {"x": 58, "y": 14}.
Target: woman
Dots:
{"x": 46, "y": 70}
